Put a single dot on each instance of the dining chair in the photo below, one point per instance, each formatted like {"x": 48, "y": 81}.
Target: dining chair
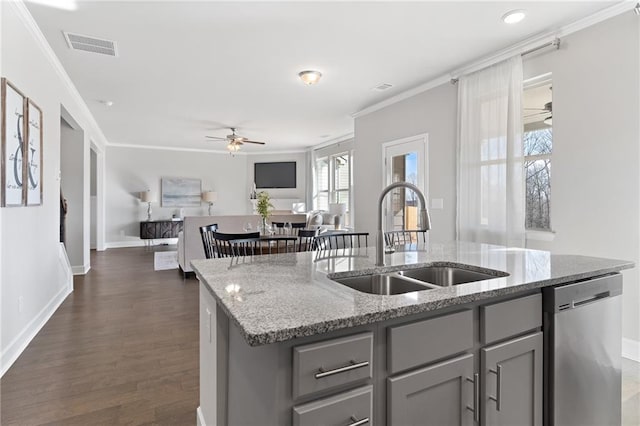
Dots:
{"x": 405, "y": 236}
{"x": 235, "y": 245}
{"x": 307, "y": 239}
{"x": 206, "y": 232}
{"x": 295, "y": 227}
{"x": 335, "y": 240}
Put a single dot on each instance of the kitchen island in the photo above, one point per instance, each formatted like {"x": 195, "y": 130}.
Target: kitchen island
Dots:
{"x": 283, "y": 343}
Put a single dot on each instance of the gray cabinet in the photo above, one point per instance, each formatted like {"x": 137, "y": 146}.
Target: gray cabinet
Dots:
{"x": 353, "y": 408}
{"x": 511, "y": 378}
{"x": 441, "y": 394}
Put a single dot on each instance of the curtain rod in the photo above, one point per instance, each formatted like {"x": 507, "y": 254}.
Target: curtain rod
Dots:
{"x": 555, "y": 43}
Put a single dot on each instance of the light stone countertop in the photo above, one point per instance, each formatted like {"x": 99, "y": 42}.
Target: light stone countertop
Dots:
{"x": 280, "y": 297}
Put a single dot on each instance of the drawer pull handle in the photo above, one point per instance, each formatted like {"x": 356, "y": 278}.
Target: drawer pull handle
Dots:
{"x": 498, "y": 397}
{"x": 357, "y": 422}
{"x": 352, "y": 366}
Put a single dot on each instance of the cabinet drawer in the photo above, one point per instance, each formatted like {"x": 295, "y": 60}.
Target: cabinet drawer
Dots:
{"x": 348, "y": 408}
{"x": 506, "y": 319}
{"x": 332, "y": 363}
{"x": 419, "y": 343}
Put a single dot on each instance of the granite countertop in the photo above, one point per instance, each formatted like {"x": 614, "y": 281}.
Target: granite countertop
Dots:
{"x": 280, "y": 297}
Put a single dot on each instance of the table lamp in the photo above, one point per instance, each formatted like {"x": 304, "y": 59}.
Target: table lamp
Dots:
{"x": 209, "y": 197}
{"x": 338, "y": 209}
{"x": 147, "y": 197}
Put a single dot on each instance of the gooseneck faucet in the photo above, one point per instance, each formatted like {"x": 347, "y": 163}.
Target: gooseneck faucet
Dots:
{"x": 425, "y": 220}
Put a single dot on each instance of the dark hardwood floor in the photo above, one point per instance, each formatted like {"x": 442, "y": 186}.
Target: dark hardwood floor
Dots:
{"x": 122, "y": 349}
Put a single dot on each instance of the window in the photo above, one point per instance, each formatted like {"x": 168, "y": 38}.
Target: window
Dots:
{"x": 538, "y": 147}
{"x": 333, "y": 182}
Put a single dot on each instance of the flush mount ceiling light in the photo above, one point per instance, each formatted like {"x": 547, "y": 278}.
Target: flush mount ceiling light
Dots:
{"x": 310, "y": 77}
{"x": 513, "y": 17}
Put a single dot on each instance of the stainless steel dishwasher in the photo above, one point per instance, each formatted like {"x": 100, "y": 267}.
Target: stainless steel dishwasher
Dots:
{"x": 583, "y": 332}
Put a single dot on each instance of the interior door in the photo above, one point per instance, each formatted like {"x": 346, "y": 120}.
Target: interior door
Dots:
{"x": 404, "y": 160}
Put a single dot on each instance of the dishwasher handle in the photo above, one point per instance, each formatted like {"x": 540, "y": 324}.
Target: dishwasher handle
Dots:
{"x": 576, "y": 295}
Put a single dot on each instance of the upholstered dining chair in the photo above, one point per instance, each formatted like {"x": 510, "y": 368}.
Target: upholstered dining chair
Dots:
{"x": 206, "y": 232}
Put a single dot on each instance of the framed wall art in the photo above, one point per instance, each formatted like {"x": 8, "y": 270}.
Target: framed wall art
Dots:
{"x": 12, "y": 141}
{"x": 33, "y": 154}
{"x": 181, "y": 192}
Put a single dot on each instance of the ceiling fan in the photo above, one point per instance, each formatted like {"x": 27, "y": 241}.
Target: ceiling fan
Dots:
{"x": 547, "y": 109}
{"x": 234, "y": 142}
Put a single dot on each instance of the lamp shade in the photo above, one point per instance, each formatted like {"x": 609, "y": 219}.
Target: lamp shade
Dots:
{"x": 209, "y": 196}
{"x": 146, "y": 196}
{"x": 338, "y": 208}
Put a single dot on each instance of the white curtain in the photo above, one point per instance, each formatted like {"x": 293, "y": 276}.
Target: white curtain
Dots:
{"x": 491, "y": 204}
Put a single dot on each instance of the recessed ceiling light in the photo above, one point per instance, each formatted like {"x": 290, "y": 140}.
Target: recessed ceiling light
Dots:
{"x": 514, "y": 16}
{"x": 106, "y": 102}
{"x": 310, "y": 77}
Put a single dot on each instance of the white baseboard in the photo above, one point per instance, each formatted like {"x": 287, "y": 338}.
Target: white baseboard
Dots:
{"x": 631, "y": 349}
{"x": 200, "y": 417}
{"x": 19, "y": 344}
{"x": 139, "y": 243}
{"x": 80, "y": 270}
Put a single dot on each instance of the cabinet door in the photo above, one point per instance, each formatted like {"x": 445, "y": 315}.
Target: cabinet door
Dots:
{"x": 440, "y": 395}
{"x": 512, "y": 382}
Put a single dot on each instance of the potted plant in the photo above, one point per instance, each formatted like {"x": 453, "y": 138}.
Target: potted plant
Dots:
{"x": 264, "y": 207}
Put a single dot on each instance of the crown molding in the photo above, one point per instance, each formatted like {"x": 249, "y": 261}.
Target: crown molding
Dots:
{"x": 23, "y": 13}
{"x": 500, "y": 55}
{"x": 333, "y": 141}
{"x": 172, "y": 148}
{"x": 208, "y": 151}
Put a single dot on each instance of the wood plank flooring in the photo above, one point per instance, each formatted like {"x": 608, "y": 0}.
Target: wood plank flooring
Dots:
{"x": 122, "y": 349}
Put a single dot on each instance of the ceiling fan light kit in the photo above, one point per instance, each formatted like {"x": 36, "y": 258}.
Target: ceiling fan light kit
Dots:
{"x": 234, "y": 142}
{"x": 310, "y": 77}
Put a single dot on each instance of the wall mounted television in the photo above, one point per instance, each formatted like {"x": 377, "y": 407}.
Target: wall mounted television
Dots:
{"x": 275, "y": 175}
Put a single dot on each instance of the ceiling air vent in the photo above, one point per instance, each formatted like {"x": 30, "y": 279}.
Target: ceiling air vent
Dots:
{"x": 90, "y": 44}
{"x": 382, "y": 87}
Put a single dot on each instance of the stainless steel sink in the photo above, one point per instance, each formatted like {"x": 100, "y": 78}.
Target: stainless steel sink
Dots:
{"x": 446, "y": 276}
{"x": 384, "y": 284}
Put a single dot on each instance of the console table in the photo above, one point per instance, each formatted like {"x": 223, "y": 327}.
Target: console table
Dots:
{"x": 156, "y": 229}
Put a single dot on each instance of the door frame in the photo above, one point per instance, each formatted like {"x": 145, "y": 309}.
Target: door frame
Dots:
{"x": 423, "y": 178}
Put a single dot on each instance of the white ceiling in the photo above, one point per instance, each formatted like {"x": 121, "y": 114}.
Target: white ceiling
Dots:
{"x": 187, "y": 69}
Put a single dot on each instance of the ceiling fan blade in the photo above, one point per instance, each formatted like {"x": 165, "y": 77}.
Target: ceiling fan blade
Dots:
{"x": 216, "y": 138}
{"x": 256, "y": 142}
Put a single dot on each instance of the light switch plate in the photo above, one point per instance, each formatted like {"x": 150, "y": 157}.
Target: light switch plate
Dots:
{"x": 437, "y": 203}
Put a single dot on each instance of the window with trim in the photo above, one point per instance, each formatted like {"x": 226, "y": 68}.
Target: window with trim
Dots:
{"x": 538, "y": 149}
{"x": 332, "y": 182}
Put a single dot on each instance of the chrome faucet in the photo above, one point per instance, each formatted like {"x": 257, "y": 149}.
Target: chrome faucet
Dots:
{"x": 425, "y": 220}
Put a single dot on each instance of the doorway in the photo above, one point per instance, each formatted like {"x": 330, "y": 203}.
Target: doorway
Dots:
{"x": 404, "y": 160}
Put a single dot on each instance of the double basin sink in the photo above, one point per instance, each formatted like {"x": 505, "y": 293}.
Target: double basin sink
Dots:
{"x": 418, "y": 279}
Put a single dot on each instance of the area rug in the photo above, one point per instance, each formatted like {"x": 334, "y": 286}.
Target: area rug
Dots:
{"x": 163, "y": 260}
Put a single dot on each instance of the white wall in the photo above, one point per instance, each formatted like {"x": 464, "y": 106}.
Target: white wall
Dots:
{"x": 29, "y": 235}
{"x": 594, "y": 170}
{"x": 432, "y": 112}
{"x": 131, "y": 170}
{"x": 595, "y": 178}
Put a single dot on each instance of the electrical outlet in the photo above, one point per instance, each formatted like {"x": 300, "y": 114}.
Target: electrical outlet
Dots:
{"x": 20, "y": 304}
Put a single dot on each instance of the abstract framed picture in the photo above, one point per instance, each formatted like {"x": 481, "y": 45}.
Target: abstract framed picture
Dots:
{"x": 12, "y": 141}
{"x": 33, "y": 154}
{"x": 181, "y": 192}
